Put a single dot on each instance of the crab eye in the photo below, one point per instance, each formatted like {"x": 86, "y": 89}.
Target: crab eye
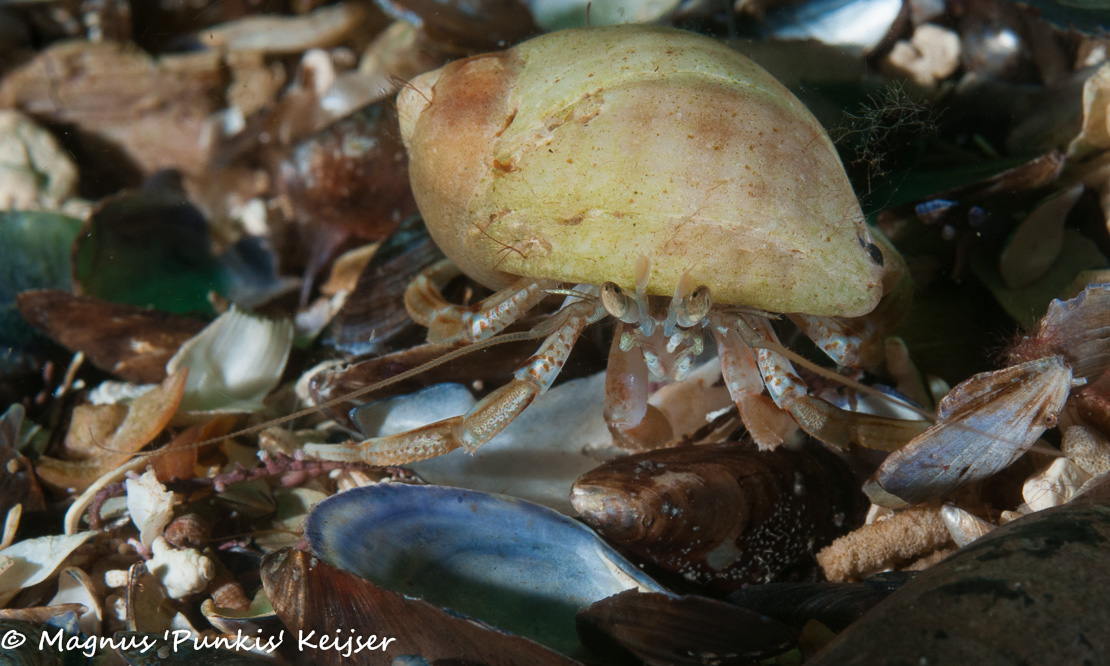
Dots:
{"x": 619, "y": 304}
{"x": 876, "y": 253}
{"x": 694, "y": 307}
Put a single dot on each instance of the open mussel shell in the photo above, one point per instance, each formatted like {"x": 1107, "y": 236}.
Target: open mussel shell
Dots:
{"x": 518, "y": 566}
{"x": 314, "y": 598}
{"x": 665, "y": 629}
{"x": 722, "y": 515}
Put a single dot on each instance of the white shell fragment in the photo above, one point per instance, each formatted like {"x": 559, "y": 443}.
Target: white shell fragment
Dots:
{"x": 324, "y": 27}
{"x": 229, "y": 621}
{"x": 963, "y": 526}
{"x": 401, "y": 414}
{"x": 691, "y": 403}
{"x": 856, "y": 26}
{"x": 75, "y": 586}
{"x": 35, "y": 560}
{"x": 931, "y": 55}
{"x": 34, "y": 170}
{"x": 233, "y": 363}
{"x": 1056, "y": 485}
{"x": 984, "y": 425}
{"x": 150, "y": 506}
{"x": 181, "y": 571}
{"x": 1096, "y": 114}
{"x": 11, "y": 526}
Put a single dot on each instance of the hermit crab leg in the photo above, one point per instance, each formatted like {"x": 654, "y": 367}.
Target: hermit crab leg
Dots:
{"x": 857, "y": 342}
{"x": 840, "y": 342}
{"x": 448, "y": 323}
{"x": 768, "y": 425}
{"x": 634, "y": 424}
{"x": 817, "y": 417}
{"x": 485, "y": 419}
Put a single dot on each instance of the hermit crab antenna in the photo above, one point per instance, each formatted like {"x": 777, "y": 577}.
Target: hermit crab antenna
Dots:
{"x": 641, "y": 271}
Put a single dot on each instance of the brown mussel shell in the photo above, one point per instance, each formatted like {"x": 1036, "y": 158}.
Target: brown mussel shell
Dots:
{"x": 129, "y": 341}
{"x": 664, "y": 629}
{"x": 722, "y": 515}
{"x": 835, "y": 605}
{"x": 374, "y": 314}
{"x": 351, "y": 175}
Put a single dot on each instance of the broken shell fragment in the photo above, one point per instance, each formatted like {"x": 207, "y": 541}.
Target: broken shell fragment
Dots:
{"x": 234, "y": 362}
{"x": 150, "y": 506}
{"x": 516, "y": 565}
{"x": 128, "y": 341}
{"x": 475, "y": 25}
{"x": 723, "y": 515}
{"x": 374, "y": 315}
{"x": 1038, "y": 240}
{"x": 31, "y": 561}
{"x": 963, "y": 526}
{"x": 1057, "y": 485}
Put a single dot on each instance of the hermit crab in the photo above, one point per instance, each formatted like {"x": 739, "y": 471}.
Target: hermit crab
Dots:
{"x": 651, "y": 176}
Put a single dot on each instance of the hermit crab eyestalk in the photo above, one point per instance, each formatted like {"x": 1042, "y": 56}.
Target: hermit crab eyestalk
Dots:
{"x": 694, "y": 308}
{"x": 619, "y": 304}
{"x": 689, "y": 306}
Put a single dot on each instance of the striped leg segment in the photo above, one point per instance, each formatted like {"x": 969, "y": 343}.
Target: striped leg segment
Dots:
{"x": 768, "y": 425}
{"x": 484, "y": 420}
{"x": 448, "y": 323}
{"x": 819, "y": 418}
